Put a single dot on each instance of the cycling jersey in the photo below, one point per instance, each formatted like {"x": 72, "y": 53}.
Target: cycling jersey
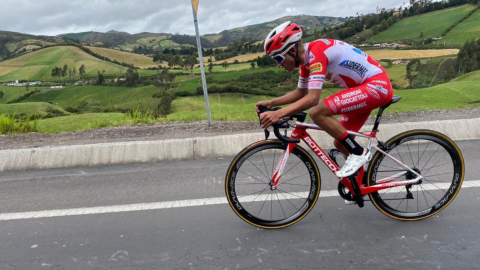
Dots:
{"x": 339, "y": 62}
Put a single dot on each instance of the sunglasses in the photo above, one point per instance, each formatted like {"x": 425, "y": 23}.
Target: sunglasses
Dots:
{"x": 279, "y": 58}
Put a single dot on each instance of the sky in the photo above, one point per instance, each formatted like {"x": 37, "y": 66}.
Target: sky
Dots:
{"x": 53, "y": 17}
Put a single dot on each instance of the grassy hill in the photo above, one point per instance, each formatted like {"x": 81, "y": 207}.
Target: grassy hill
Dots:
{"x": 432, "y": 24}
{"x": 32, "y": 108}
{"x": 137, "y": 60}
{"x": 465, "y": 31}
{"x": 38, "y": 65}
{"x": 472, "y": 76}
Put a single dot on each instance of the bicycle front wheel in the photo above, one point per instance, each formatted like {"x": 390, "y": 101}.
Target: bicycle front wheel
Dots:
{"x": 429, "y": 153}
{"x": 250, "y": 195}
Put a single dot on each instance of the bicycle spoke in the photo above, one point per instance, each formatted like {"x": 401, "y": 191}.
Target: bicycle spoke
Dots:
{"x": 430, "y": 157}
{"x": 399, "y": 155}
{"x": 254, "y": 177}
{"x": 427, "y": 169}
{"x": 424, "y": 196}
{"x": 268, "y": 175}
{"x": 266, "y": 199}
{"x": 289, "y": 201}
{"x": 430, "y": 194}
{"x": 295, "y": 185}
{"x": 257, "y": 196}
{"x": 257, "y": 168}
{"x": 290, "y": 193}
{"x": 436, "y": 186}
{"x": 283, "y": 174}
{"x": 413, "y": 162}
{"x": 418, "y": 163}
{"x": 433, "y": 166}
{"x": 389, "y": 167}
{"x": 278, "y": 199}
{"x": 295, "y": 178}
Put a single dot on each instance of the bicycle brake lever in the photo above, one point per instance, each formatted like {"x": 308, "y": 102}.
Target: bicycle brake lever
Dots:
{"x": 267, "y": 134}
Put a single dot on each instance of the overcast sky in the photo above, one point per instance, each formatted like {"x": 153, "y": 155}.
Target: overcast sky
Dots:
{"x": 53, "y": 17}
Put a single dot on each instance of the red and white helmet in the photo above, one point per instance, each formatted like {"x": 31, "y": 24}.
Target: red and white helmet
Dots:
{"x": 280, "y": 37}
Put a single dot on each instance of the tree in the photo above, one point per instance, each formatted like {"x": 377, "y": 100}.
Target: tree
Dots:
{"x": 1, "y": 94}
{"x": 210, "y": 67}
{"x": 82, "y": 70}
{"x": 74, "y": 72}
{"x": 190, "y": 62}
{"x": 65, "y": 70}
{"x": 253, "y": 65}
{"x": 56, "y": 72}
{"x": 413, "y": 67}
{"x": 421, "y": 34}
{"x": 100, "y": 78}
{"x": 225, "y": 65}
{"x": 132, "y": 77}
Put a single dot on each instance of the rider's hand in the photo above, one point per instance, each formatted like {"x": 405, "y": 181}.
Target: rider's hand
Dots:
{"x": 269, "y": 118}
{"x": 266, "y": 103}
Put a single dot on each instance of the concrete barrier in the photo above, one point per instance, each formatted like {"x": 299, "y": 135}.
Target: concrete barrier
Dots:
{"x": 195, "y": 148}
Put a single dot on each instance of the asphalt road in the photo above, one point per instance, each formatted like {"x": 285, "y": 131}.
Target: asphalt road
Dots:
{"x": 173, "y": 215}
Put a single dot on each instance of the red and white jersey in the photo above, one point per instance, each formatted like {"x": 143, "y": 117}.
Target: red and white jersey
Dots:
{"x": 336, "y": 62}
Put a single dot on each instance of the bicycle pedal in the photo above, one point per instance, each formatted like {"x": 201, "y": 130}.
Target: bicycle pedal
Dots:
{"x": 347, "y": 202}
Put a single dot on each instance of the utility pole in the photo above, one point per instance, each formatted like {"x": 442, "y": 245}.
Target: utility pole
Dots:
{"x": 200, "y": 57}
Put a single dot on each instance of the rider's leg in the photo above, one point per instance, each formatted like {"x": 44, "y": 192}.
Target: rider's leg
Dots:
{"x": 322, "y": 116}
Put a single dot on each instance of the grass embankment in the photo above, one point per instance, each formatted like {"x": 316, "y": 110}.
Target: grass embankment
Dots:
{"x": 431, "y": 24}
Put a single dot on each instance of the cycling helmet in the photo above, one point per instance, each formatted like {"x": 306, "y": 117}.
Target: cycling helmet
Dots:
{"x": 280, "y": 37}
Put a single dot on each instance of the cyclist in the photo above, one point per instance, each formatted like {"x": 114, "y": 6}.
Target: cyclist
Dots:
{"x": 367, "y": 88}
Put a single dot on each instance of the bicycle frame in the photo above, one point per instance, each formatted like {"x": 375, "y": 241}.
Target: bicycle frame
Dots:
{"x": 300, "y": 132}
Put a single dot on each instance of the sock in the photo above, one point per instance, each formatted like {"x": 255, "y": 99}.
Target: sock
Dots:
{"x": 352, "y": 146}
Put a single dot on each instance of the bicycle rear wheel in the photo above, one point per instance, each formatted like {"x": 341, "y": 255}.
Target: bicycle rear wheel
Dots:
{"x": 249, "y": 192}
{"x": 432, "y": 155}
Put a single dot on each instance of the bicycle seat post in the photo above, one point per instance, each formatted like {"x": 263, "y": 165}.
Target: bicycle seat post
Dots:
{"x": 395, "y": 99}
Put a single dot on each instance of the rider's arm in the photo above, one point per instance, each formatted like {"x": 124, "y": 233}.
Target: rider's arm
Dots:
{"x": 305, "y": 103}
{"x": 291, "y": 97}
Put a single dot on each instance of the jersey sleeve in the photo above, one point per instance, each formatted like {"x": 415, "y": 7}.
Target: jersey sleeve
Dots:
{"x": 303, "y": 78}
{"x": 317, "y": 68}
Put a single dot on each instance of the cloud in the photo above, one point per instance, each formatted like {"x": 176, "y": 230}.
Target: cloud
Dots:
{"x": 52, "y": 17}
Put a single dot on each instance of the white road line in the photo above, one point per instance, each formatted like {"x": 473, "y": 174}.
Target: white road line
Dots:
{"x": 174, "y": 204}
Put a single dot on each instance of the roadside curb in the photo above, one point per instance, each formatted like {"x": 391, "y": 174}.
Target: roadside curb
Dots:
{"x": 195, "y": 148}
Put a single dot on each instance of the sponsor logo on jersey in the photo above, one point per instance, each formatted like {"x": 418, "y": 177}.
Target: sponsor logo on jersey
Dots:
{"x": 317, "y": 67}
{"x": 378, "y": 88}
{"x": 356, "y": 67}
{"x": 373, "y": 93}
{"x": 317, "y": 78}
{"x": 354, "y": 107}
{"x": 380, "y": 82}
{"x": 337, "y": 101}
{"x": 351, "y": 94}
{"x": 344, "y": 119}
{"x": 302, "y": 80}
{"x": 332, "y": 106}
{"x": 356, "y": 98}
{"x": 314, "y": 85}
{"x": 311, "y": 57}
{"x": 357, "y": 51}
{"x": 325, "y": 41}
{"x": 329, "y": 76}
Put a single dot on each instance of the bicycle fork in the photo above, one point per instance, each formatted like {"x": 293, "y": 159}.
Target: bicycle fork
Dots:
{"x": 280, "y": 166}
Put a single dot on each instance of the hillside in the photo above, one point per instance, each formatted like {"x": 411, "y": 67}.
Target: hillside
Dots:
{"x": 465, "y": 31}
{"x": 431, "y": 24}
{"x": 137, "y": 60}
{"x": 13, "y": 44}
{"x": 38, "y": 65}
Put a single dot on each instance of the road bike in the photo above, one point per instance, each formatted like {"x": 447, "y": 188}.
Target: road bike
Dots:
{"x": 275, "y": 183}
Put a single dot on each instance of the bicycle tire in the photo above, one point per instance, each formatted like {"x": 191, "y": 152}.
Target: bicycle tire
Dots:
{"x": 427, "y": 144}
{"x": 244, "y": 175}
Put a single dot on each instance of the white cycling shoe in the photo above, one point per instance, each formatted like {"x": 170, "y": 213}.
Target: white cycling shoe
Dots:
{"x": 353, "y": 163}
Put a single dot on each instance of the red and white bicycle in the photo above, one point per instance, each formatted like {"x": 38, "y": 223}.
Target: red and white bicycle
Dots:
{"x": 275, "y": 183}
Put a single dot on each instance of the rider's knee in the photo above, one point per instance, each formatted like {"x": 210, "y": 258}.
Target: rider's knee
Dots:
{"x": 319, "y": 111}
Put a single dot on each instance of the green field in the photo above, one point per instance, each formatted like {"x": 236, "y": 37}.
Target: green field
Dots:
{"x": 432, "y": 24}
{"x": 465, "y": 31}
{"x": 101, "y": 97}
{"x": 11, "y": 93}
{"x": 31, "y": 108}
{"x": 76, "y": 122}
{"x": 472, "y": 76}
{"x": 38, "y": 65}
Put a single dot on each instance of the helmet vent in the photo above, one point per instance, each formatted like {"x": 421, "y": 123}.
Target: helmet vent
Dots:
{"x": 269, "y": 45}
{"x": 285, "y": 39}
{"x": 296, "y": 28}
{"x": 273, "y": 34}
